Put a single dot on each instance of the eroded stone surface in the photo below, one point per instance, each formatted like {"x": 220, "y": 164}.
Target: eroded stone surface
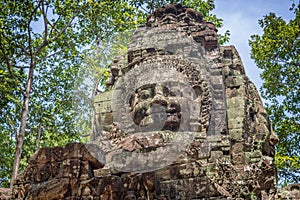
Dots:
{"x": 215, "y": 126}
{"x": 5, "y": 193}
{"x": 289, "y": 192}
{"x": 56, "y": 173}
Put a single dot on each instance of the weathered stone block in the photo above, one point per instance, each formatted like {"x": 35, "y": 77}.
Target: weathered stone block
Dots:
{"x": 234, "y": 81}
{"x": 103, "y": 107}
{"x": 235, "y": 91}
{"x": 236, "y": 102}
{"x": 105, "y": 96}
{"x": 106, "y": 118}
{"x": 238, "y": 159}
{"x": 236, "y": 135}
{"x": 237, "y": 148}
{"x": 237, "y": 123}
{"x": 215, "y": 155}
{"x": 234, "y": 113}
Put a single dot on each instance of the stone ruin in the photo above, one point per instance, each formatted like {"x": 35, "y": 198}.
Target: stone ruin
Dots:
{"x": 180, "y": 120}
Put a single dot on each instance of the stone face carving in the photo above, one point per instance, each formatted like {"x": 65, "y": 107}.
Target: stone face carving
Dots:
{"x": 180, "y": 120}
{"x": 154, "y": 103}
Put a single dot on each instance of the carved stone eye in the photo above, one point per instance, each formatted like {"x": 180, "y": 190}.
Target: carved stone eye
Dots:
{"x": 145, "y": 94}
{"x": 176, "y": 92}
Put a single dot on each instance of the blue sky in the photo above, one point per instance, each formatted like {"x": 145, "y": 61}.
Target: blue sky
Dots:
{"x": 241, "y": 19}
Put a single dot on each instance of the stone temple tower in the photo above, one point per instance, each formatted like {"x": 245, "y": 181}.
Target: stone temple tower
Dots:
{"x": 174, "y": 65}
{"x": 180, "y": 120}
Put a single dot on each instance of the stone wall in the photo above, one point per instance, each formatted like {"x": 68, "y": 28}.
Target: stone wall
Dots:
{"x": 72, "y": 173}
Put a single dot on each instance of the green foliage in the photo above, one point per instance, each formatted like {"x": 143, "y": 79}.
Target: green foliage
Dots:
{"x": 51, "y": 37}
{"x": 277, "y": 53}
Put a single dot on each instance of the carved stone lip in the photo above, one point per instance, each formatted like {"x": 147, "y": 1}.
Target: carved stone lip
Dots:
{"x": 162, "y": 121}
{"x": 160, "y": 117}
{"x": 172, "y": 124}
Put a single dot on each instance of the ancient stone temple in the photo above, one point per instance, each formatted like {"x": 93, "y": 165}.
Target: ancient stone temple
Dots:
{"x": 180, "y": 120}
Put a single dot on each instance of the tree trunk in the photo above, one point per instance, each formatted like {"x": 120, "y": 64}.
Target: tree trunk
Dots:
{"x": 20, "y": 136}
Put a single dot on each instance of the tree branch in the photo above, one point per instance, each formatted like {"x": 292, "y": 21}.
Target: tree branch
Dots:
{"x": 48, "y": 22}
{"x": 46, "y": 42}
{"x": 28, "y": 29}
{"x": 53, "y": 26}
{"x": 144, "y": 9}
{"x": 22, "y": 49}
{"x": 25, "y": 106}
{"x": 65, "y": 28}
{"x": 9, "y": 68}
{"x": 45, "y": 21}
{"x": 10, "y": 121}
{"x": 20, "y": 67}
{"x": 52, "y": 54}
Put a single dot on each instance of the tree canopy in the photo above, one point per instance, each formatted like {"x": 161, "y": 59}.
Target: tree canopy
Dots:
{"x": 42, "y": 47}
{"x": 43, "y": 44}
{"x": 277, "y": 53}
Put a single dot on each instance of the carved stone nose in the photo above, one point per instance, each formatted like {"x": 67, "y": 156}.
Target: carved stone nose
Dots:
{"x": 159, "y": 99}
{"x": 157, "y": 108}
